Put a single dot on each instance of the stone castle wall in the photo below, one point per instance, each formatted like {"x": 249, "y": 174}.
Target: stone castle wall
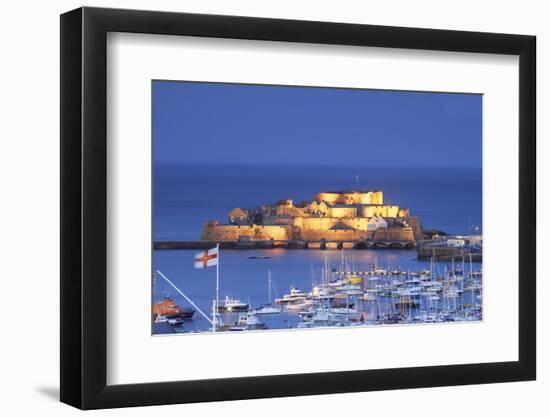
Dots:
{"x": 325, "y": 223}
{"x": 341, "y": 212}
{"x": 371, "y": 197}
{"x": 381, "y": 211}
{"x": 333, "y": 235}
{"x": 414, "y": 223}
{"x": 395, "y": 234}
{"x": 222, "y": 232}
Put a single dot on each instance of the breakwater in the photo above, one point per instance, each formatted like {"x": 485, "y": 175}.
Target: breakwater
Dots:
{"x": 451, "y": 248}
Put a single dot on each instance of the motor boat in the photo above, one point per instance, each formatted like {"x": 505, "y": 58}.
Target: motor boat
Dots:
{"x": 247, "y": 321}
{"x": 230, "y": 305}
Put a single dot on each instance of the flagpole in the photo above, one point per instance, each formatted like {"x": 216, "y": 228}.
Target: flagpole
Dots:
{"x": 217, "y": 284}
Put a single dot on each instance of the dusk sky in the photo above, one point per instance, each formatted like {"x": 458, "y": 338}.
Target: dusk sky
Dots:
{"x": 236, "y": 123}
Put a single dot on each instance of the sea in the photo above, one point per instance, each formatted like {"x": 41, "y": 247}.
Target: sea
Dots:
{"x": 186, "y": 195}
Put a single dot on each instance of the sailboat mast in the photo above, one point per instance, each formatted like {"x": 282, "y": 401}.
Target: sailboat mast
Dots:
{"x": 453, "y": 267}
{"x": 327, "y": 279}
{"x": 471, "y": 267}
{"x": 432, "y": 265}
{"x": 217, "y": 306}
{"x": 269, "y": 286}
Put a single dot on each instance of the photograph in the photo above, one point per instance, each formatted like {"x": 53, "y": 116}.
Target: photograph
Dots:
{"x": 288, "y": 208}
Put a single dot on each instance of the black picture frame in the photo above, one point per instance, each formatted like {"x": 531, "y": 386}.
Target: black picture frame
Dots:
{"x": 84, "y": 207}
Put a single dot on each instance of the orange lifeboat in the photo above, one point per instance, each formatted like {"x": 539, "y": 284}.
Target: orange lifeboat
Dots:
{"x": 169, "y": 308}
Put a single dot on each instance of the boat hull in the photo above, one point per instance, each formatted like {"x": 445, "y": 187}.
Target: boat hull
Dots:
{"x": 233, "y": 309}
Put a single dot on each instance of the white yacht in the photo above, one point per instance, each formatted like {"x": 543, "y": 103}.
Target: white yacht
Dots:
{"x": 232, "y": 305}
{"x": 295, "y": 297}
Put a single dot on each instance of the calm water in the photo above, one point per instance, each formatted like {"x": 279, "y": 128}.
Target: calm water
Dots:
{"x": 187, "y": 195}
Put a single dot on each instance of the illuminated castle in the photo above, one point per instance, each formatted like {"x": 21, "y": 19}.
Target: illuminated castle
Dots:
{"x": 340, "y": 216}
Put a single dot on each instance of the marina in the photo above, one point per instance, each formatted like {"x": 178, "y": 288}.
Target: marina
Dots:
{"x": 337, "y": 288}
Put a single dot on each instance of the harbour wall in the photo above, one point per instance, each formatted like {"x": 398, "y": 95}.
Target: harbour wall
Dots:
{"x": 447, "y": 253}
{"x": 445, "y": 250}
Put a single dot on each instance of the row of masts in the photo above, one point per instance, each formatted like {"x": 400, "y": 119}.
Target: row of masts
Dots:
{"x": 375, "y": 295}
{"x": 402, "y": 292}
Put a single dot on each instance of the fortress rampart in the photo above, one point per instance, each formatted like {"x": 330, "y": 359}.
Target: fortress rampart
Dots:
{"x": 414, "y": 223}
{"x": 213, "y": 231}
{"x": 403, "y": 234}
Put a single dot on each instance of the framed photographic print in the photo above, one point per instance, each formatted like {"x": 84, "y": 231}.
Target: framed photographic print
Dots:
{"x": 257, "y": 208}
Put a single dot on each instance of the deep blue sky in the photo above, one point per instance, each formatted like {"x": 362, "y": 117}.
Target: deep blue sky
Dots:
{"x": 235, "y": 123}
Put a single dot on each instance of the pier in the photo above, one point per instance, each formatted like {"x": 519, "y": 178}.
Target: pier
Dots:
{"x": 451, "y": 247}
